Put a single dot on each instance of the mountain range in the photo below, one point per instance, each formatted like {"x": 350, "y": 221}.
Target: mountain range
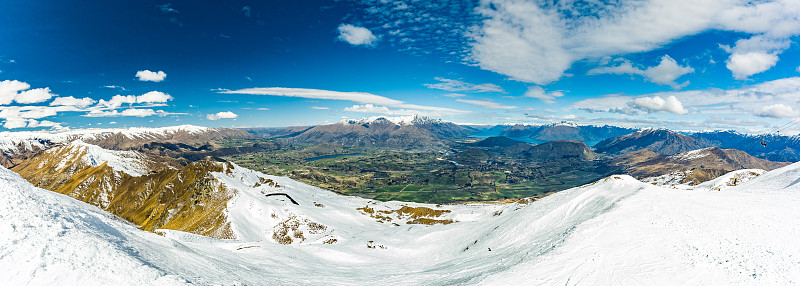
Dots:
{"x": 639, "y": 232}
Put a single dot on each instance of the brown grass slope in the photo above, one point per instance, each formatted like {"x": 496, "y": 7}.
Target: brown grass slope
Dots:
{"x": 187, "y": 199}
{"x": 704, "y": 164}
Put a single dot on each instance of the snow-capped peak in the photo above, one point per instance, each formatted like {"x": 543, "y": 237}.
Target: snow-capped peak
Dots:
{"x": 399, "y": 120}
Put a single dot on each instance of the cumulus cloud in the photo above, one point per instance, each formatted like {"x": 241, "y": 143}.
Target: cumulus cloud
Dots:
{"x": 534, "y": 42}
{"x": 754, "y": 55}
{"x": 356, "y": 36}
{"x": 541, "y": 94}
{"x": 486, "y": 104}
{"x": 17, "y": 91}
{"x": 72, "y": 101}
{"x": 147, "y": 75}
{"x": 222, "y": 115}
{"x": 665, "y": 73}
{"x": 151, "y": 98}
{"x": 359, "y": 97}
{"x": 777, "y": 110}
{"x": 24, "y": 116}
{"x": 9, "y": 90}
{"x": 657, "y": 104}
{"x": 457, "y": 85}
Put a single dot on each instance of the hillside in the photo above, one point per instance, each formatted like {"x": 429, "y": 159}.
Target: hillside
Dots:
{"x": 661, "y": 141}
{"x": 615, "y": 231}
{"x": 553, "y": 150}
{"x": 406, "y": 133}
{"x": 496, "y": 141}
{"x": 778, "y": 147}
{"x": 690, "y": 167}
{"x": 565, "y": 131}
{"x": 172, "y": 141}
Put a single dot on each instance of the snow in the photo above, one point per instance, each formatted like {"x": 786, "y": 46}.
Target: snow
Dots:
{"x": 130, "y": 162}
{"x": 399, "y": 120}
{"x": 693, "y": 154}
{"x": 617, "y": 231}
{"x": 9, "y": 141}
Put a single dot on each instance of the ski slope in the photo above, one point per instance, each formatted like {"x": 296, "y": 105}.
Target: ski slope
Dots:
{"x": 617, "y": 231}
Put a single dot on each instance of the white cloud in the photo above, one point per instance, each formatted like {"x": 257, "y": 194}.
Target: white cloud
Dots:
{"x": 44, "y": 123}
{"x": 657, "y": 104}
{"x": 319, "y": 107}
{"x": 454, "y": 95}
{"x": 754, "y": 100}
{"x": 356, "y": 36}
{"x": 359, "y": 97}
{"x": 17, "y": 91}
{"x": 744, "y": 65}
{"x": 132, "y": 112}
{"x": 534, "y": 42}
{"x": 457, "y": 85}
{"x": 541, "y": 94}
{"x": 369, "y": 108}
{"x": 9, "y": 90}
{"x": 167, "y": 8}
{"x": 15, "y": 122}
{"x": 754, "y": 55}
{"x": 486, "y": 104}
{"x": 35, "y": 95}
{"x": 222, "y": 115}
{"x": 151, "y": 98}
{"x": 147, "y": 75}
{"x": 777, "y": 110}
{"x": 71, "y": 101}
{"x": 665, "y": 73}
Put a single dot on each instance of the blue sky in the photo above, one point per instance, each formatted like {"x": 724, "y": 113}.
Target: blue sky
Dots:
{"x": 687, "y": 65}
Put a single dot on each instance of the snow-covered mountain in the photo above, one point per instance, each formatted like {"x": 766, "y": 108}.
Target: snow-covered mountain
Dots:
{"x": 15, "y": 147}
{"x": 615, "y": 231}
{"x": 406, "y": 132}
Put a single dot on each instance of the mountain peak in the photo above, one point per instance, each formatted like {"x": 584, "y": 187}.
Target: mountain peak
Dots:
{"x": 413, "y": 119}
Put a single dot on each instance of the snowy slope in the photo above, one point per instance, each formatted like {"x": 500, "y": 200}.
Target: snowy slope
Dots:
{"x": 615, "y": 231}
{"x": 131, "y": 162}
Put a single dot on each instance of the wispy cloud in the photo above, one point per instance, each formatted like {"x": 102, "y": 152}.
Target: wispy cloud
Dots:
{"x": 665, "y": 73}
{"x": 536, "y": 43}
{"x": 319, "y": 107}
{"x": 359, "y": 97}
{"x": 369, "y": 108}
{"x": 166, "y": 8}
{"x": 777, "y": 99}
{"x": 486, "y": 104}
{"x": 541, "y": 94}
{"x": 460, "y": 86}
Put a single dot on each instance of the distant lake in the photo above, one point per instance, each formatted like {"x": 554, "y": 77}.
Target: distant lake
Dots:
{"x": 333, "y": 156}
